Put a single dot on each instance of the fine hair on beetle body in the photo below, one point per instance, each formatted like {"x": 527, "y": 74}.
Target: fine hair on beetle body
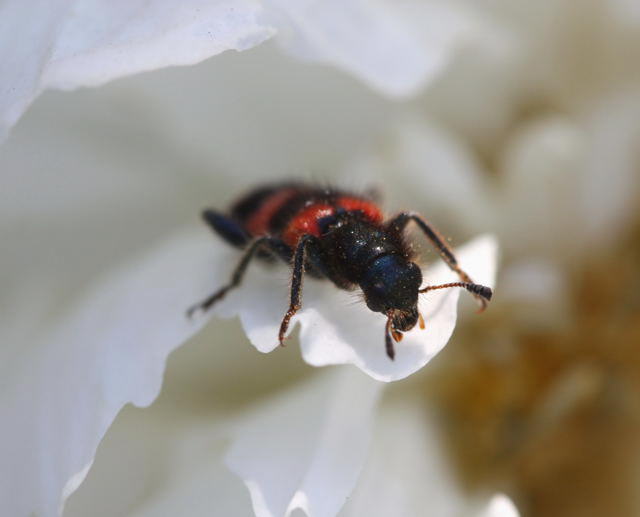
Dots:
{"x": 332, "y": 234}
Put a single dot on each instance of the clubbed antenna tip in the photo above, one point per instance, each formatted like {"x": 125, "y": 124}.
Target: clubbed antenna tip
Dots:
{"x": 481, "y": 290}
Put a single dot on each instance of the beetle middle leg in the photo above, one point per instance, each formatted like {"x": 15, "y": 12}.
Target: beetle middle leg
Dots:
{"x": 305, "y": 245}
{"x": 276, "y": 246}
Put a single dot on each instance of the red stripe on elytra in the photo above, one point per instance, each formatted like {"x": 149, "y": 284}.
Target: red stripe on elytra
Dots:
{"x": 368, "y": 208}
{"x": 258, "y": 223}
{"x": 306, "y": 222}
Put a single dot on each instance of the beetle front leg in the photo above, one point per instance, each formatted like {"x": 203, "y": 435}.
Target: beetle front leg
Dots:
{"x": 398, "y": 225}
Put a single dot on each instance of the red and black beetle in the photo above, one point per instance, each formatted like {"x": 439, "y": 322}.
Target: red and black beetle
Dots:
{"x": 333, "y": 234}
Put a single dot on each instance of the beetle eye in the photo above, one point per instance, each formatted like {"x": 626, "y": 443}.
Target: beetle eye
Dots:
{"x": 375, "y": 303}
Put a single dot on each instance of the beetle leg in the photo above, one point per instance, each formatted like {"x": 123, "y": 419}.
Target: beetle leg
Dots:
{"x": 398, "y": 225}
{"x": 299, "y": 258}
{"x": 274, "y": 245}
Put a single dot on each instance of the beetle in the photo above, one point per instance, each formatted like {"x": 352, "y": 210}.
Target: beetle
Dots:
{"x": 330, "y": 233}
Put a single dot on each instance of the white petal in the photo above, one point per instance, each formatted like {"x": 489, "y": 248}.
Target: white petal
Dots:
{"x": 436, "y": 169}
{"x": 608, "y": 189}
{"x": 575, "y": 175}
{"x": 69, "y": 44}
{"x": 25, "y": 44}
{"x": 343, "y": 332}
{"x": 543, "y": 163}
{"x": 63, "y": 391}
{"x": 336, "y": 326}
{"x": 159, "y": 461}
{"x": 407, "y": 473}
{"x": 100, "y": 41}
{"x": 500, "y": 506}
{"x": 206, "y": 489}
{"x": 394, "y": 47}
{"x": 491, "y": 59}
{"x": 536, "y": 292}
{"x": 306, "y": 449}
{"x": 627, "y": 11}
{"x": 442, "y": 166}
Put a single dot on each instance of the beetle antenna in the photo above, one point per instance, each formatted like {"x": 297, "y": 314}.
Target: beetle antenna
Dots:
{"x": 482, "y": 293}
{"x": 477, "y": 289}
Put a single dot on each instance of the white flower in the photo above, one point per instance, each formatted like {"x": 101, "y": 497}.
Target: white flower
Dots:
{"x": 103, "y": 187}
{"x": 69, "y": 369}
